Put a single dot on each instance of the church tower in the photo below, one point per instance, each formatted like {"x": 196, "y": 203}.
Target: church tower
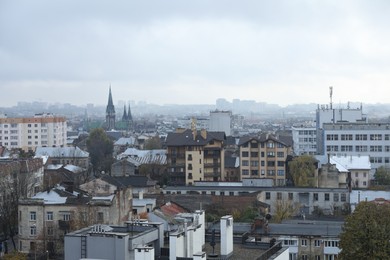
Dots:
{"x": 110, "y": 113}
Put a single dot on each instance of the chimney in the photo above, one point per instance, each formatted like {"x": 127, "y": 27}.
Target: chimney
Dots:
{"x": 141, "y": 195}
{"x": 328, "y": 158}
{"x": 226, "y": 223}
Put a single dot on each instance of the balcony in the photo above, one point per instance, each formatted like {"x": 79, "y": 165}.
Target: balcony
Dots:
{"x": 63, "y": 225}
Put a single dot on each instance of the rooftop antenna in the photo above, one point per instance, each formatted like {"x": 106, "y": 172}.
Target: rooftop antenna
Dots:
{"x": 331, "y": 94}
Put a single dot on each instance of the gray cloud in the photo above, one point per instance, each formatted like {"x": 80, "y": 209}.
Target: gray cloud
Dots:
{"x": 194, "y": 51}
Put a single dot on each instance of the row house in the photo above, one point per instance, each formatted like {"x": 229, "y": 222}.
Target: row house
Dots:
{"x": 194, "y": 155}
{"x": 265, "y": 156}
{"x": 45, "y": 218}
{"x": 28, "y": 133}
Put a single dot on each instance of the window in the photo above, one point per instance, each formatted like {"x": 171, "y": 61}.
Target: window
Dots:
{"x": 254, "y": 145}
{"x": 245, "y": 163}
{"x": 327, "y": 196}
{"x": 33, "y": 230}
{"x": 280, "y": 164}
{"x": 332, "y": 148}
{"x": 100, "y": 217}
{"x": 49, "y": 215}
{"x": 262, "y": 163}
{"x": 231, "y": 193}
{"x": 304, "y": 257}
{"x": 317, "y": 257}
{"x": 33, "y": 215}
{"x": 189, "y": 166}
{"x": 268, "y": 195}
{"x": 375, "y": 137}
{"x": 346, "y": 138}
{"x": 50, "y": 231}
{"x": 343, "y": 197}
{"x": 66, "y": 216}
{"x": 317, "y": 243}
{"x": 245, "y": 154}
{"x": 332, "y": 137}
{"x": 303, "y": 242}
{"x": 190, "y": 176}
{"x": 315, "y": 196}
{"x": 361, "y": 148}
{"x": 254, "y": 172}
{"x": 271, "y": 154}
{"x": 254, "y": 163}
{"x": 271, "y": 145}
{"x": 360, "y": 137}
{"x": 262, "y": 154}
{"x": 280, "y": 172}
{"x": 332, "y": 243}
{"x": 279, "y": 196}
{"x": 254, "y": 154}
{"x": 245, "y": 172}
{"x": 271, "y": 163}
{"x": 290, "y": 196}
{"x": 335, "y": 197}
{"x": 346, "y": 148}
{"x": 375, "y": 148}
{"x": 280, "y": 154}
{"x": 189, "y": 157}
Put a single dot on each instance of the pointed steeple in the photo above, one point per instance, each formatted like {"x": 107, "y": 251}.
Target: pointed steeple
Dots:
{"x": 110, "y": 113}
{"x": 110, "y": 105}
{"x": 124, "y": 117}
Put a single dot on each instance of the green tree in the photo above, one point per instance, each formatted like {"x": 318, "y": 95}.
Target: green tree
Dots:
{"x": 100, "y": 148}
{"x": 366, "y": 233}
{"x": 382, "y": 176}
{"x": 302, "y": 171}
{"x": 284, "y": 209}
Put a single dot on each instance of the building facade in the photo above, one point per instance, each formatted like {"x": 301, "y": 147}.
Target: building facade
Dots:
{"x": 45, "y": 218}
{"x": 194, "y": 155}
{"x": 264, "y": 156}
{"x": 305, "y": 140}
{"x": 32, "y": 132}
{"x": 356, "y": 139}
{"x": 221, "y": 121}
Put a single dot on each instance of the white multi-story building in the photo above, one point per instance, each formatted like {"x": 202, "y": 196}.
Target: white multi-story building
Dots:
{"x": 304, "y": 140}
{"x": 29, "y": 133}
{"x": 325, "y": 115}
{"x": 221, "y": 121}
{"x": 370, "y": 139}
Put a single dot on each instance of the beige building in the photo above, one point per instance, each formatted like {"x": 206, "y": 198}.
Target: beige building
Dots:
{"x": 264, "y": 156}
{"x": 45, "y": 218}
{"x": 29, "y": 133}
{"x": 195, "y": 156}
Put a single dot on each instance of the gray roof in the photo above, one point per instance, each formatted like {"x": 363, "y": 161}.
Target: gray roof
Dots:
{"x": 264, "y": 137}
{"x": 60, "y": 152}
{"x": 186, "y": 138}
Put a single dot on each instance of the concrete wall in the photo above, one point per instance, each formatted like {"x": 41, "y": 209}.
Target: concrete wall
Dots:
{"x": 226, "y": 236}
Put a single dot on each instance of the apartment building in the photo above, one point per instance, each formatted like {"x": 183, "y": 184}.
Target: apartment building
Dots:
{"x": 356, "y": 139}
{"x": 317, "y": 240}
{"x": 29, "y": 133}
{"x": 304, "y": 140}
{"x": 264, "y": 156}
{"x": 308, "y": 200}
{"x": 45, "y": 218}
{"x": 195, "y": 156}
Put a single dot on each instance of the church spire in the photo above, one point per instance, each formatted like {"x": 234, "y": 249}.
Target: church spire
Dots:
{"x": 110, "y": 113}
{"x": 110, "y": 105}
{"x": 124, "y": 117}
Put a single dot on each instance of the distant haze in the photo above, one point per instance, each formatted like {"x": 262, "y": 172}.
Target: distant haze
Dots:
{"x": 186, "y": 52}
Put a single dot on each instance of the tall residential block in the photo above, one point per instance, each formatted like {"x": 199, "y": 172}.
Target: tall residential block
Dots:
{"x": 28, "y": 133}
{"x": 195, "y": 156}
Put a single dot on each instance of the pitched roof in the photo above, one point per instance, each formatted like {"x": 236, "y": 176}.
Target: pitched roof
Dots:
{"x": 186, "y": 138}
{"x": 264, "y": 137}
{"x": 128, "y": 181}
{"x": 60, "y": 152}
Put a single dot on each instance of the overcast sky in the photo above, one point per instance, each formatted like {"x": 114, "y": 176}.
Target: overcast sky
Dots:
{"x": 187, "y": 52}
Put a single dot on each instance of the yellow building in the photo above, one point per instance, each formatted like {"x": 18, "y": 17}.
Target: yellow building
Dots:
{"x": 195, "y": 156}
{"x": 264, "y": 156}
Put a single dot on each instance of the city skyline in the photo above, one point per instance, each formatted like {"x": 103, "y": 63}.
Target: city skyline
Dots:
{"x": 175, "y": 52}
